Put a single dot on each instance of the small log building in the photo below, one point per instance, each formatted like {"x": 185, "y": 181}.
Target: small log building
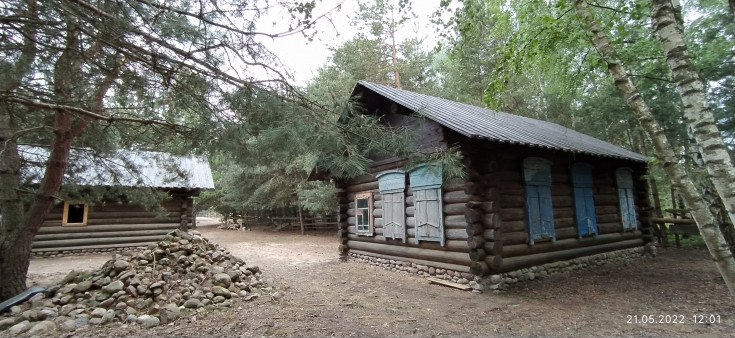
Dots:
{"x": 536, "y": 192}
{"x": 75, "y": 226}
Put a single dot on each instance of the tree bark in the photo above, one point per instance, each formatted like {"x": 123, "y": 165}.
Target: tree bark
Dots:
{"x": 697, "y": 111}
{"x": 15, "y": 243}
{"x": 679, "y": 178}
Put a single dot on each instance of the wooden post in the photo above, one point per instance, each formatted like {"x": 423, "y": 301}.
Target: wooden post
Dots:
{"x": 301, "y": 220}
{"x": 184, "y": 221}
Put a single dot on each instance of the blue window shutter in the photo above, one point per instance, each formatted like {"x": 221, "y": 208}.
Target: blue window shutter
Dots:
{"x": 624, "y": 178}
{"x": 539, "y": 209}
{"x": 426, "y": 185}
{"x": 392, "y": 184}
{"x": 584, "y": 203}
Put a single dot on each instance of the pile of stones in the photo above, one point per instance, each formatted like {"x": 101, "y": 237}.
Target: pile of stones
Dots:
{"x": 181, "y": 274}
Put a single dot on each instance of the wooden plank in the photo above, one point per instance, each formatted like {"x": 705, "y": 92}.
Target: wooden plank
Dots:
{"x": 412, "y": 252}
{"x": 463, "y": 287}
{"x": 79, "y": 235}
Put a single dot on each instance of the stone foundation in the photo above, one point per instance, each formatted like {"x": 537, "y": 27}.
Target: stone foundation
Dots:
{"x": 501, "y": 281}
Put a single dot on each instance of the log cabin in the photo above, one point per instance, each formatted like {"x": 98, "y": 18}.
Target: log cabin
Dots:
{"x": 535, "y": 192}
{"x": 115, "y": 224}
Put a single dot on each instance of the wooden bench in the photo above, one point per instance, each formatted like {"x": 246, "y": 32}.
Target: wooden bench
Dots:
{"x": 683, "y": 230}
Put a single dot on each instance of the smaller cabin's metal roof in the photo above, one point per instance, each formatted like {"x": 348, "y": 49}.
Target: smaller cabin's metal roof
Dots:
{"x": 124, "y": 168}
{"x": 486, "y": 124}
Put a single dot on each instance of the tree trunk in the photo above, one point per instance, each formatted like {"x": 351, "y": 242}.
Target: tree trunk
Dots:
{"x": 697, "y": 111}
{"x": 679, "y": 178}
{"x": 660, "y": 228}
{"x": 394, "y": 50}
{"x": 301, "y": 219}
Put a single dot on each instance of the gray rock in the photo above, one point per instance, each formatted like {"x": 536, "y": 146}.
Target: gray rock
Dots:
{"x": 120, "y": 265}
{"x": 20, "y": 328}
{"x": 131, "y": 318}
{"x": 68, "y": 325}
{"x": 113, "y": 287}
{"x": 222, "y": 279}
{"x": 98, "y": 312}
{"x": 68, "y": 288}
{"x": 192, "y": 303}
{"x": 169, "y": 313}
{"x": 107, "y": 303}
{"x": 42, "y": 328}
{"x": 218, "y": 299}
{"x": 7, "y": 322}
{"x": 80, "y": 321}
{"x": 31, "y": 315}
{"x": 220, "y": 291}
{"x": 83, "y": 286}
{"x": 148, "y": 321}
{"x": 46, "y": 313}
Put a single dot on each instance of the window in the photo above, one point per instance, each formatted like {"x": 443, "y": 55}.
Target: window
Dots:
{"x": 363, "y": 214}
{"x": 539, "y": 211}
{"x": 426, "y": 180}
{"x": 624, "y": 180}
{"x": 584, "y": 202}
{"x": 74, "y": 214}
{"x": 392, "y": 184}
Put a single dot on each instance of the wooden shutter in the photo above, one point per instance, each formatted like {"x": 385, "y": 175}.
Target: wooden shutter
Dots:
{"x": 392, "y": 184}
{"x": 426, "y": 185}
{"x": 539, "y": 209}
{"x": 624, "y": 179}
{"x": 584, "y": 202}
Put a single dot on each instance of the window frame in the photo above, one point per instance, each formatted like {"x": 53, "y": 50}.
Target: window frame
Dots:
{"x": 65, "y": 215}
{"x": 370, "y": 231}
{"x": 583, "y": 185}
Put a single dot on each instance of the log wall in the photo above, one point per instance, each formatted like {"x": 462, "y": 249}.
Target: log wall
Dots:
{"x": 115, "y": 224}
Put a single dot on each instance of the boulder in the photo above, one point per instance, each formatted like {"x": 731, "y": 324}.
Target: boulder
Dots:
{"x": 148, "y": 321}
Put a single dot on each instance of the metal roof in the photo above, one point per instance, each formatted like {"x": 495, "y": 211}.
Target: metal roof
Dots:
{"x": 486, "y": 124}
{"x": 124, "y": 168}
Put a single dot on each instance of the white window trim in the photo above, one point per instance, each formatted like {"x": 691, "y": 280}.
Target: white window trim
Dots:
{"x": 371, "y": 229}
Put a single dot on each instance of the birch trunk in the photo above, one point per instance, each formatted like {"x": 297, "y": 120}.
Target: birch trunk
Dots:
{"x": 697, "y": 111}
{"x": 705, "y": 220}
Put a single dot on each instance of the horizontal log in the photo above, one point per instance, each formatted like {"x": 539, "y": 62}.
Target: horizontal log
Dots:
{"x": 454, "y": 209}
{"x": 473, "y": 188}
{"x": 107, "y": 227}
{"x": 515, "y": 263}
{"x": 563, "y": 212}
{"x": 493, "y": 247}
{"x": 363, "y": 187}
{"x": 492, "y": 234}
{"x": 479, "y": 268}
{"x": 564, "y": 222}
{"x": 94, "y": 241}
{"x": 559, "y": 178}
{"x": 605, "y": 228}
{"x": 456, "y": 233}
{"x": 451, "y": 257}
{"x": 475, "y": 229}
{"x": 513, "y": 201}
{"x": 453, "y": 187}
{"x": 490, "y": 206}
{"x": 564, "y": 244}
{"x": 455, "y": 197}
{"x": 455, "y": 222}
{"x": 377, "y": 212}
{"x": 513, "y": 214}
{"x": 473, "y": 215}
{"x": 491, "y": 220}
{"x": 88, "y": 247}
{"x": 450, "y": 245}
{"x": 566, "y": 233}
{"x": 95, "y": 214}
{"x": 476, "y": 242}
{"x": 441, "y": 265}
{"x": 601, "y": 200}
{"x": 511, "y": 188}
{"x": 492, "y": 194}
{"x": 478, "y": 255}
{"x": 559, "y": 190}
{"x": 562, "y": 201}
{"x": 494, "y": 262}
{"x": 363, "y": 179}
{"x": 604, "y": 210}
{"x": 80, "y": 235}
{"x": 605, "y": 190}
{"x": 609, "y": 218}
{"x": 514, "y": 226}
{"x": 510, "y": 238}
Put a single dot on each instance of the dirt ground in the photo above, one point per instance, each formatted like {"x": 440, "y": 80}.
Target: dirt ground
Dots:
{"x": 321, "y": 296}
